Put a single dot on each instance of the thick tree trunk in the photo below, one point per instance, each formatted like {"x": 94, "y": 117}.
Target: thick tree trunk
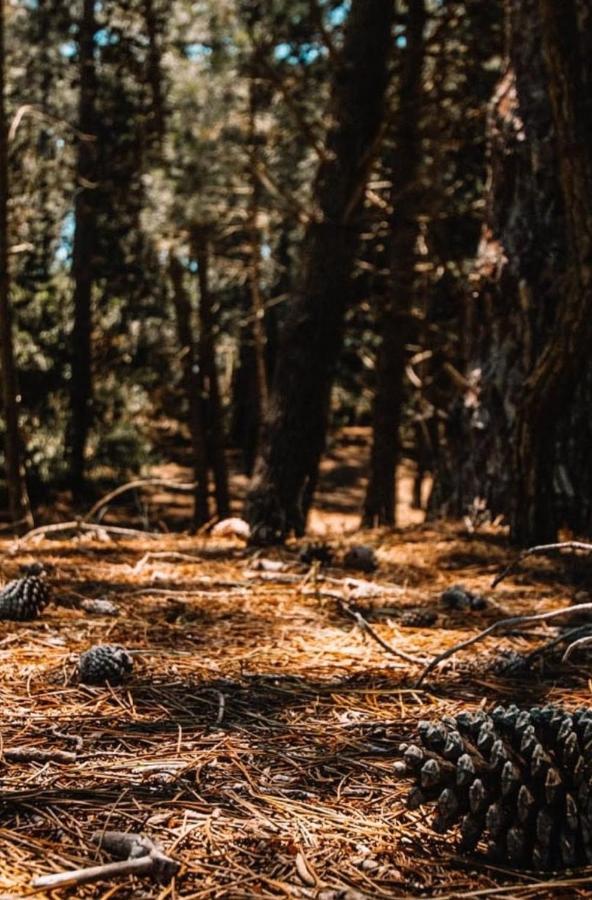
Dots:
{"x": 207, "y": 359}
{"x": 82, "y": 252}
{"x": 297, "y": 417}
{"x": 193, "y": 385}
{"x": 512, "y": 443}
{"x": 396, "y": 316}
{"x": 567, "y": 49}
{"x": 18, "y": 501}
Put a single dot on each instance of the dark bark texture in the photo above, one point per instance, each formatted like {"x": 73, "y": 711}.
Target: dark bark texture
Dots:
{"x": 83, "y": 251}
{"x": 514, "y": 441}
{"x": 296, "y": 421}
{"x": 15, "y": 480}
{"x": 209, "y": 374}
{"x": 193, "y": 385}
{"x": 396, "y": 316}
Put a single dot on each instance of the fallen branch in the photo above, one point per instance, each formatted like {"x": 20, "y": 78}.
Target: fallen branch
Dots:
{"x": 138, "y": 855}
{"x": 498, "y": 626}
{"x": 367, "y": 629}
{"x": 540, "y": 548}
{"x": 29, "y": 754}
{"x": 133, "y": 485}
{"x": 77, "y": 525}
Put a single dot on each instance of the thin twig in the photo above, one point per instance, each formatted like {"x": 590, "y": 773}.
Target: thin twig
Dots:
{"x": 367, "y": 628}
{"x": 133, "y": 485}
{"x": 498, "y": 626}
{"x": 541, "y": 548}
{"x": 576, "y": 645}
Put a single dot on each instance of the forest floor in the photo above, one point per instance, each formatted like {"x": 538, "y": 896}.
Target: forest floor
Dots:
{"x": 256, "y": 738}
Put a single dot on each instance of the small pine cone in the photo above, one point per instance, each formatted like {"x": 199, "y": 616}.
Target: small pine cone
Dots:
{"x": 105, "y": 663}
{"x": 418, "y": 618}
{"x": 516, "y": 781}
{"x": 361, "y": 558}
{"x": 316, "y": 552}
{"x": 510, "y": 664}
{"x": 458, "y": 597}
{"x": 24, "y": 598}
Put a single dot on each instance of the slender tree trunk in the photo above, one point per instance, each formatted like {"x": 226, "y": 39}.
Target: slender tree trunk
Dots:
{"x": 297, "y": 417}
{"x": 254, "y": 268}
{"x": 396, "y": 317}
{"x": 82, "y": 252}
{"x": 207, "y": 357}
{"x": 18, "y": 501}
{"x": 192, "y": 382}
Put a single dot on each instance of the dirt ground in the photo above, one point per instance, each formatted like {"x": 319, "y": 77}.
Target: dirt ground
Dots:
{"x": 256, "y": 738}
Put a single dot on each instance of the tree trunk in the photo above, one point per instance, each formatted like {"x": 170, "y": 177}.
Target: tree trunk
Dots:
{"x": 567, "y": 48}
{"x": 510, "y": 441}
{"x": 396, "y": 316}
{"x": 254, "y": 268}
{"x": 82, "y": 252}
{"x": 207, "y": 358}
{"x": 193, "y": 385}
{"x": 297, "y": 416}
{"x": 18, "y": 501}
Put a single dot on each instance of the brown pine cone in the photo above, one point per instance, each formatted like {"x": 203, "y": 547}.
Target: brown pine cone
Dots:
{"x": 516, "y": 781}
{"x": 105, "y": 663}
{"x": 24, "y": 598}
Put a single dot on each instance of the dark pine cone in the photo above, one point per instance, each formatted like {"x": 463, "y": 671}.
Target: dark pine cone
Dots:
{"x": 458, "y": 597}
{"x": 521, "y": 781}
{"x": 105, "y": 663}
{"x": 418, "y": 618}
{"x": 24, "y": 598}
{"x": 317, "y": 552}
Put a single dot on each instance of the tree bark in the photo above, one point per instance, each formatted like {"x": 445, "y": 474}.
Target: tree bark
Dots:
{"x": 193, "y": 385}
{"x": 396, "y": 317}
{"x": 207, "y": 358}
{"x": 566, "y": 46}
{"x": 82, "y": 252}
{"x": 254, "y": 266}
{"x": 297, "y": 416}
{"x": 18, "y": 500}
{"x": 514, "y": 440}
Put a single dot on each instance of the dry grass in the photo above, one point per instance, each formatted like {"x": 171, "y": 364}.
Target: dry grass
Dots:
{"x": 256, "y": 739}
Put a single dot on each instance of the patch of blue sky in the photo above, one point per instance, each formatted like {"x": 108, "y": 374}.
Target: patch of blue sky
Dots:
{"x": 196, "y": 50}
{"x": 66, "y": 238}
{"x": 68, "y": 49}
{"x": 292, "y": 54}
{"x": 338, "y": 15}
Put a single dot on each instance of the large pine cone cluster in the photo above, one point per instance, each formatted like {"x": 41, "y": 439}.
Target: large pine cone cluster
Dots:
{"x": 105, "y": 663}
{"x": 518, "y": 780}
{"x": 24, "y": 598}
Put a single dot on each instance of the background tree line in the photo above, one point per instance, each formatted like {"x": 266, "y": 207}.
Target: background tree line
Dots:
{"x": 242, "y": 224}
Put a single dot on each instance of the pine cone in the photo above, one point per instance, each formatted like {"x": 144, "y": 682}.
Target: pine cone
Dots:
{"x": 105, "y": 663}
{"x": 418, "y": 618}
{"x": 458, "y": 597}
{"x": 24, "y": 598}
{"x": 361, "y": 558}
{"x": 316, "y": 552}
{"x": 521, "y": 781}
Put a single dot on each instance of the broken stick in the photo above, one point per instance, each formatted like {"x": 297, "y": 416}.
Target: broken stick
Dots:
{"x": 138, "y": 855}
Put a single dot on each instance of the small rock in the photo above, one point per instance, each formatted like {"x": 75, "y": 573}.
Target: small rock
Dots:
{"x": 100, "y": 607}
